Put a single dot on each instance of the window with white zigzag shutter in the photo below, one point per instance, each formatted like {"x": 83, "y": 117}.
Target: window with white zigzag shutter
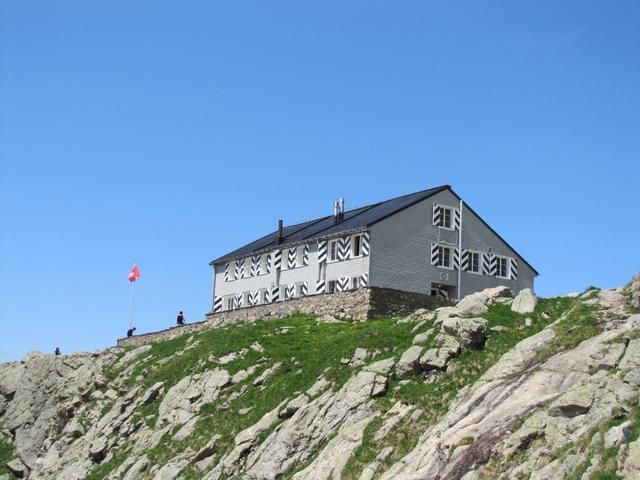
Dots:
{"x": 464, "y": 260}
{"x": 486, "y": 263}
{"x": 457, "y": 220}
{"x": 435, "y": 253}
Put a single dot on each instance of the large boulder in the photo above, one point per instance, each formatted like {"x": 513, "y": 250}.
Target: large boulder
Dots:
{"x": 408, "y": 363}
{"x": 525, "y": 301}
{"x": 470, "y": 332}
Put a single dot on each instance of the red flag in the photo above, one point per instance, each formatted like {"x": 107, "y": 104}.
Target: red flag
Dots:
{"x": 135, "y": 273}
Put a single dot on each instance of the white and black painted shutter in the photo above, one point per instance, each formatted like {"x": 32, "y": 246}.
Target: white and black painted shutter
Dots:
{"x": 255, "y": 265}
{"x": 344, "y": 248}
{"x": 456, "y": 258}
{"x": 276, "y": 258}
{"x": 435, "y": 254}
{"x": 457, "y": 220}
{"x": 513, "y": 269}
{"x": 275, "y": 293}
{"x": 364, "y": 280}
{"x": 436, "y": 214}
{"x": 342, "y": 285}
{"x": 304, "y": 289}
{"x": 227, "y": 275}
{"x": 322, "y": 251}
{"x": 238, "y": 301}
{"x": 305, "y": 255}
{"x": 267, "y": 295}
{"x": 217, "y": 304}
{"x": 292, "y": 257}
{"x": 493, "y": 265}
{"x": 236, "y": 270}
{"x": 486, "y": 263}
{"x": 291, "y": 291}
{"x": 253, "y": 298}
{"x": 464, "y": 260}
{"x": 365, "y": 247}
{"x": 268, "y": 262}
{"x": 321, "y": 286}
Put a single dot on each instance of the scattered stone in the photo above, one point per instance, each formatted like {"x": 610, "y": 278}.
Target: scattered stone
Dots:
{"x": 383, "y": 367}
{"x": 528, "y": 322}
{"x": 498, "y": 328}
{"x": 98, "y": 449}
{"x": 137, "y": 469}
{"x": 395, "y": 413}
{"x": 293, "y": 406}
{"x": 257, "y": 347}
{"x": 370, "y": 470}
{"x": 318, "y": 387}
{"x": 244, "y": 411}
{"x": 18, "y": 468}
{"x": 632, "y": 463}
{"x": 618, "y": 434}
{"x": 328, "y": 319}
{"x": 576, "y": 401}
{"x": 267, "y": 374}
{"x": 422, "y": 338}
{"x": 360, "y": 356}
{"x": 209, "y": 449}
{"x": 408, "y": 363}
{"x": 524, "y": 302}
{"x": 470, "y": 332}
{"x": 416, "y": 415}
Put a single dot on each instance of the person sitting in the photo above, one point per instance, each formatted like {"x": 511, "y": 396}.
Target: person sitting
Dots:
{"x": 180, "y": 319}
{"x": 130, "y": 332}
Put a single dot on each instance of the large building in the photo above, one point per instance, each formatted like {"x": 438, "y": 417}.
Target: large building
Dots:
{"x": 428, "y": 242}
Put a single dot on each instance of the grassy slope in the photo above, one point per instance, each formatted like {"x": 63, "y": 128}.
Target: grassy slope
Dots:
{"x": 309, "y": 349}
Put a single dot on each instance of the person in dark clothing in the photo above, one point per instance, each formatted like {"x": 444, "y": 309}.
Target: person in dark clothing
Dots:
{"x": 57, "y": 351}
{"x": 180, "y": 319}
{"x": 130, "y": 332}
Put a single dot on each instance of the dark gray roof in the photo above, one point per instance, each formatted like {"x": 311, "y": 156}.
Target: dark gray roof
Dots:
{"x": 357, "y": 219}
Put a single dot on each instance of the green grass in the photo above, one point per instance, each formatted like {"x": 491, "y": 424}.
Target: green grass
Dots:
{"x": 307, "y": 351}
{"x": 7, "y": 453}
{"x": 435, "y": 398}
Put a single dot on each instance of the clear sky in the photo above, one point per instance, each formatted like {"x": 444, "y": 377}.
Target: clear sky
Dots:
{"x": 173, "y": 132}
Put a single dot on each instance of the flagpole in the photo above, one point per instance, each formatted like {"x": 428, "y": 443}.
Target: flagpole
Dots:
{"x": 133, "y": 287}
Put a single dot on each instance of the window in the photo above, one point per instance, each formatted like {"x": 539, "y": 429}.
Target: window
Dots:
{"x": 264, "y": 295}
{"x": 333, "y": 250}
{"x": 331, "y": 286}
{"x": 446, "y": 215}
{"x": 356, "y": 246}
{"x": 474, "y": 262}
{"x": 355, "y": 282}
{"x": 445, "y": 257}
{"x": 263, "y": 264}
{"x": 502, "y": 270}
{"x": 230, "y": 303}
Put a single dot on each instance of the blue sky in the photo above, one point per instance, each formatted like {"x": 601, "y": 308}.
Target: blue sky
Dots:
{"x": 173, "y": 132}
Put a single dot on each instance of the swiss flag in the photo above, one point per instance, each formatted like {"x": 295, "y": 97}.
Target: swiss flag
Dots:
{"x": 135, "y": 273}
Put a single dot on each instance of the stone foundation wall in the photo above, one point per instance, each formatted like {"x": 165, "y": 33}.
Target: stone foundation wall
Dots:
{"x": 162, "y": 335}
{"x": 357, "y": 305}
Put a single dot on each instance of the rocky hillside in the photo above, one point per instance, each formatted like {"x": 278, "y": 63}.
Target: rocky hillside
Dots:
{"x": 494, "y": 387}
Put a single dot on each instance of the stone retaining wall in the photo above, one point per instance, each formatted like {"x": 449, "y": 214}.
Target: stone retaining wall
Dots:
{"x": 357, "y": 305}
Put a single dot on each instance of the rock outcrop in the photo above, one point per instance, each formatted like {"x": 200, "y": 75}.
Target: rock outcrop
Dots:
{"x": 544, "y": 405}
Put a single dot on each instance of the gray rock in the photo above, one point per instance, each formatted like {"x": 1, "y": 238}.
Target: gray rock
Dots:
{"x": 408, "y": 365}
{"x": 18, "y": 468}
{"x": 576, "y": 401}
{"x": 293, "y": 406}
{"x": 138, "y": 469}
{"x": 372, "y": 468}
{"x": 616, "y": 435}
{"x": 524, "y": 302}
{"x": 632, "y": 462}
{"x": 360, "y": 356}
{"x": 422, "y": 338}
{"x": 435, "y": 358}
{"x": 267, "y": 374}
{"x": 470, "y": 332}
{"x": 98, "y": 449}
{"x": 382, "y": 367}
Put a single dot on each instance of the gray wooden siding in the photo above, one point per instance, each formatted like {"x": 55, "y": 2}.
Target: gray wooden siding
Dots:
{"x": 400, "y": 251}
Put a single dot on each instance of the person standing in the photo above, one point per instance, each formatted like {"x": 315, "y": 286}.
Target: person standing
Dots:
{"x": 180, "y": 319}
{"x": 130, "y": 332}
